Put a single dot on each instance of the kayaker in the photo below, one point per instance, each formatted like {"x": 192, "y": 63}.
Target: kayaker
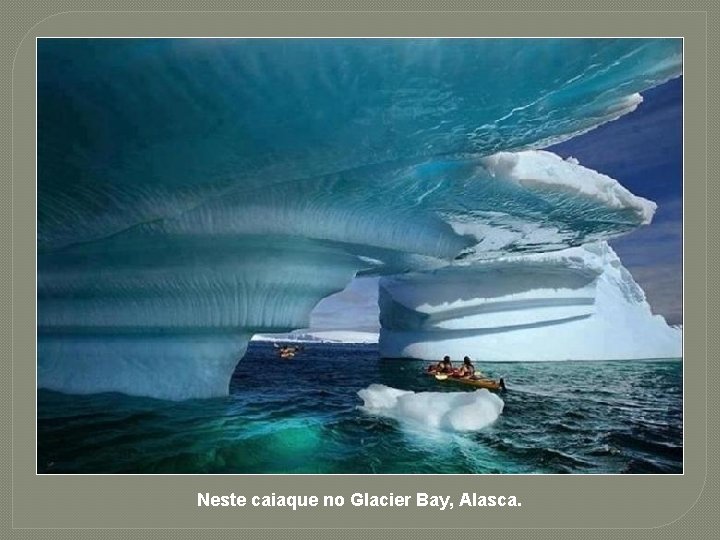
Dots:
{"x": 446, "y": 365}
{"x": 476, "y": 373}
{"x": 287, "y": 351}
{"x": 443, "y": 366}
{"x": 467, "y": 370}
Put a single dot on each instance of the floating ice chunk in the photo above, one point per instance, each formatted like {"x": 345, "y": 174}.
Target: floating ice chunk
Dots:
{"x": 449, "y": 411}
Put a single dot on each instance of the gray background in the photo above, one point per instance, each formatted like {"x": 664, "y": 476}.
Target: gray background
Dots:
{"x": 664, "y": 506}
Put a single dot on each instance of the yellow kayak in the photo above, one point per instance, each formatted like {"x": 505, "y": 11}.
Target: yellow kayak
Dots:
{"x": 490, "y": 384}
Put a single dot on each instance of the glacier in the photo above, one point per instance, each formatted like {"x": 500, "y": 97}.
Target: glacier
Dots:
{"x": 193, "y": 193}
{"x": 575, "y": 304}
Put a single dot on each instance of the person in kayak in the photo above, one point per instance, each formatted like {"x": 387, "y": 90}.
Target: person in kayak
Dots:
{"x": 467, "y": 370}
{"x": 446, "y": 365}
{"x": 443, "y": 366}
{"x": 470, "y": 368}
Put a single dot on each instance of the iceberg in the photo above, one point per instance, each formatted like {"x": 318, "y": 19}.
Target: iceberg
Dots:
{"x": 441, "y": 411}
{"x": 193, "y": 193}
{"x": 576, "y": 304}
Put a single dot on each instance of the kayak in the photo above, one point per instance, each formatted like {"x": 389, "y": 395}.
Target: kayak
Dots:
{"x": 490, "y": 384}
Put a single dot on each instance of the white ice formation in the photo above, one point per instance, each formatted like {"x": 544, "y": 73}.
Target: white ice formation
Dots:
{"x": 445, "y": 411}
{"x": 576, "y": 304}
{"x": 192, "y": 193}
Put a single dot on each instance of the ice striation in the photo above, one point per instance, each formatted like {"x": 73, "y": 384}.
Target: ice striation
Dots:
{"x": 576, "y": 304}
{"x": 192, "y": 193}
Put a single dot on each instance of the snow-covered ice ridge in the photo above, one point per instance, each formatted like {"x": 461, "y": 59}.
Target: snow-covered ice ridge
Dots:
{"x": 321, "y": 336}
{"x": 579, "y": 304}
{"x": 192, "y": 193}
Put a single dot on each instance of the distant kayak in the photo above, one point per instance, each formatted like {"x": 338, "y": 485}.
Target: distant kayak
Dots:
{"x": 490, "y": 384}
{"x": 287, "y": 352}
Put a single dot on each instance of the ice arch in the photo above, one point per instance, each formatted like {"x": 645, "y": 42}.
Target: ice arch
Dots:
{"x": 194, "y": 192}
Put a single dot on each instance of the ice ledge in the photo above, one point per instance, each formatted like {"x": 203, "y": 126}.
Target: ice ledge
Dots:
{"x": 575, "y": 304}
{"x": 543, "y": 170}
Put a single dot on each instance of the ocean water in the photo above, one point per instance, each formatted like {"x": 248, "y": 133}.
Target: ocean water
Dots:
{"x": 303, "y": 416}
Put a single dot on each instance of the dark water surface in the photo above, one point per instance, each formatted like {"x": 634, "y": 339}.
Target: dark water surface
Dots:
{"x": 302, "y": 416}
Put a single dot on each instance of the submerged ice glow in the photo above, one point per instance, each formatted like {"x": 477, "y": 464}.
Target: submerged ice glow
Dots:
{"x": 194, "y": 192}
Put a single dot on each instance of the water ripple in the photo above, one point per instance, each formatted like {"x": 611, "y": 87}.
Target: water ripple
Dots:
{"x": 559, "y": 417}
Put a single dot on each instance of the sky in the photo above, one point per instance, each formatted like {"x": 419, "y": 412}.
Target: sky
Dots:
{"x": 643, "y": 151}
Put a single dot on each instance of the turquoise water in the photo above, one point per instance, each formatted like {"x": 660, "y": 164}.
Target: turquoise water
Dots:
{"x": 302, "y": 416}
